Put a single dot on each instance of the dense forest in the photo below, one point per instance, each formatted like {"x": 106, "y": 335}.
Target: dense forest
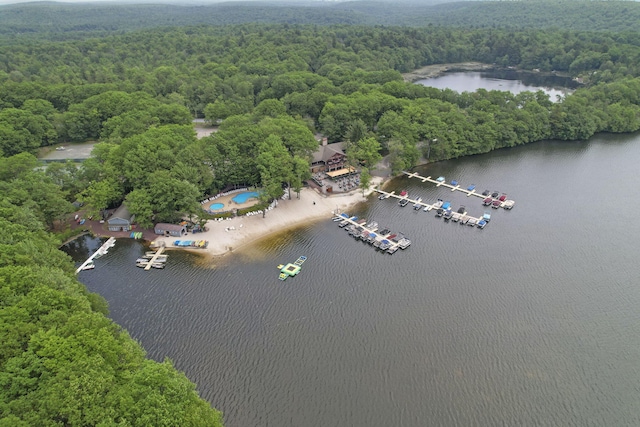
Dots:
{"x": 271, "y": 90}
{"x": 59, "y": 20}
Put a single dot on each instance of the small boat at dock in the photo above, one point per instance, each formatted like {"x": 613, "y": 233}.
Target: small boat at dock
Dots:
{"x": 89, "y": 266}
{"x": 143, "y": 263}
{"x": 159, "y": 258}
{"x": 404, "y": 243}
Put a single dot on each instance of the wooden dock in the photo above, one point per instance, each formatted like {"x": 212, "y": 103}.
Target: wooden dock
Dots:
{"x": 393, "y": 246}
{"x": 506, "y": 204}
{"x": 101, "y": 251}
{"x": 428, "y": 207}
{"x": 154, "y": 258}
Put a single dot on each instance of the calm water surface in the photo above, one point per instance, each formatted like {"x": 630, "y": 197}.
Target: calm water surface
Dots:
{"x": 505, "y": 80}
{"x": 531, "y": 321}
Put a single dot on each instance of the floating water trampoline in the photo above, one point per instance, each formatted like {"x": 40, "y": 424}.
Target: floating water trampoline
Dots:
{"x": 291, "y": 269}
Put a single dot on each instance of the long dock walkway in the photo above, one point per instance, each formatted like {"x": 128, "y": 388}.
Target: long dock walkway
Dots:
{"x": 101, "y": 251}
{"x": 444, "y": 184}
{"x": 470, "y": 191}
{"x": 428, "y": 207}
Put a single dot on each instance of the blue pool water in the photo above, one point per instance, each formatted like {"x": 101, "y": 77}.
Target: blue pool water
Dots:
{"x": 243, "y": 197}
{"x": 216, "y": 206}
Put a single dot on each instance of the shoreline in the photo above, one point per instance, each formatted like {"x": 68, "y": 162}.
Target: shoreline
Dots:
{"x": 228, "y": 236}
{"x": 437, "y": 70}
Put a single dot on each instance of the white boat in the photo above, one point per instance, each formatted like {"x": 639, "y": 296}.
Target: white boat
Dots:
{"x": 89, "y": 266}
{"x": 142, "y": 263}
{"x": 160, "y": 258}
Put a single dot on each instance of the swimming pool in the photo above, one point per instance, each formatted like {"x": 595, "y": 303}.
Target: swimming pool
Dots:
{"x": 243, "y": 197}
{"x": 216, "y": 206}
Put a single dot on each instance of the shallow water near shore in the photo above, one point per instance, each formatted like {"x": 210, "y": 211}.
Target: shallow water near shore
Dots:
{"x": 531, "y": 321}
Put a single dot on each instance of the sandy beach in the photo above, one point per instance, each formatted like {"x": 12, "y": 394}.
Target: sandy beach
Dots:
{"x": 230, "y": 235}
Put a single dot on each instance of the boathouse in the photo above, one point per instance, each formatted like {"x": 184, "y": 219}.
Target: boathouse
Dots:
{"x": 121, "y": 220}
{"x": 174, "y": 230}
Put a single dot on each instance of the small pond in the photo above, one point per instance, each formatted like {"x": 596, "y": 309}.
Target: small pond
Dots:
{"x": 505, "y": 80}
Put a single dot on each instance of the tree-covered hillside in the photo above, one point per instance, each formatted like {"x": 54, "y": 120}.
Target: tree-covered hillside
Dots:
{"x": 137, "y": 92}
{"x": 65, "y": 21}
{"x": 62, "y": 361}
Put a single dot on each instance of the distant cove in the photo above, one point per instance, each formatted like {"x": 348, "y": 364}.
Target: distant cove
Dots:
{"x": 504, "y": 80}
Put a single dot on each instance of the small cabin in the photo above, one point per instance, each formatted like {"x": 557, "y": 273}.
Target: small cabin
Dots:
{"x": 174, "y": 230}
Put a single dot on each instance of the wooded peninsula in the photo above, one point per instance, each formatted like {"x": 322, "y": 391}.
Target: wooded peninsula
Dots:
{"x": 270, "y": 89}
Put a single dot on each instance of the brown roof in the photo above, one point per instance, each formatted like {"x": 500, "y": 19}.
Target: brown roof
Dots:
{"x": 325, "y": 152}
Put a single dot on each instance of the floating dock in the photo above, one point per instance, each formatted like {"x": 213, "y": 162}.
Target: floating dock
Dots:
{"x": 454, "y": 186}
{"x": 111, "y": 242}
{"x": 387, "y": 242}
{"x": 456, "y": 216}
{"x": 154, "y": 258}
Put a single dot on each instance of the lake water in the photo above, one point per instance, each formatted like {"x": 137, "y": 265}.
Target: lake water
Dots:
{"x": 531, "y": 321}
{"x": 505, "y": 80}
